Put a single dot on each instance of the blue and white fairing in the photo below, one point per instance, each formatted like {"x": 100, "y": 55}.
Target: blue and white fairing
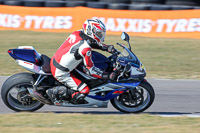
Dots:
{"x": 114, "y": 89}
{"x": 100, "y": 60}
{"x": 127, "y": 57}
{"x": 28, "y": 58}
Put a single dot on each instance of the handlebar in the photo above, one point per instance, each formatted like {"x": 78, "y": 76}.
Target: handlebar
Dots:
{"x": 116, "y": 53}
{"x": 121, "y": 45}
{"x": 113, "y": 57}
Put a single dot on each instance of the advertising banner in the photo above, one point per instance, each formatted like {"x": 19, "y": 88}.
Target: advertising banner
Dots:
{"x": 170, "y": 24}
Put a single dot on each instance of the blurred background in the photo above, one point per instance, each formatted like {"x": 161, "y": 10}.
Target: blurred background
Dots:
{"x": 175, "y": 58}
{"x": 110, "y": 4}
{"x": 164, "y": 58}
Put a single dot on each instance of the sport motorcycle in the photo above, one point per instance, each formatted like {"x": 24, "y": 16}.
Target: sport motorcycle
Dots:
{"x": 130, "y": 92}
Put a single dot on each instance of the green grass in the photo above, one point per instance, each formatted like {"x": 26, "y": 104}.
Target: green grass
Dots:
{"x": 92, "y": 123}
{"x": 163, "y": 58}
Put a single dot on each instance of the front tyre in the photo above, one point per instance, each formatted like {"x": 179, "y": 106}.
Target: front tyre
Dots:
{"x": 135, "y": 100}
{"x": 15, "y": 95}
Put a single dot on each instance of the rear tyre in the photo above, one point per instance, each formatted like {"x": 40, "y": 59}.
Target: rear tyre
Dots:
{"x": 135, "y": 100}
{"x": 15, "y": 95}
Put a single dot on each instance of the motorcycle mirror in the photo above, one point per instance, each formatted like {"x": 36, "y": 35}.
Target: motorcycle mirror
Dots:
{"x": 125, "y": 37}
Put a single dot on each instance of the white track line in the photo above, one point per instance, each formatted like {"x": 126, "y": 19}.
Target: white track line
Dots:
{"x": 191, "y": 115}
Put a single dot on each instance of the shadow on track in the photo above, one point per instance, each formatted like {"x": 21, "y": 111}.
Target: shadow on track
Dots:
{"x": 83, "y": 112}
{"x": 114, "y": 113}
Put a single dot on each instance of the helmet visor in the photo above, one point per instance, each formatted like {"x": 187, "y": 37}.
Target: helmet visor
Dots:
{"x": 100, "y": 35}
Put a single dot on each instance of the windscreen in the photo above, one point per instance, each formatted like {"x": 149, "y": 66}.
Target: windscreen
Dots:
{"x": 126, "y": 53}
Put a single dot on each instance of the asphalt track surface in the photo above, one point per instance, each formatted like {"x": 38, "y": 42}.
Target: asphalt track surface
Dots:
{"x": 173, "y": 97}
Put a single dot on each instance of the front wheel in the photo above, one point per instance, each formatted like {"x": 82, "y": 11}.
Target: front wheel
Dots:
{"x": 135, "y": 100}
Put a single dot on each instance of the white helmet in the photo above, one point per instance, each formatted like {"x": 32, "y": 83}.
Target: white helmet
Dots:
{"x": 95, "y": 29}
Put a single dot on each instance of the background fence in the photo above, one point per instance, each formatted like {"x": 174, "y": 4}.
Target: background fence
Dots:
{"x": 110, "y": 4}
{"x": 158, "y": 21}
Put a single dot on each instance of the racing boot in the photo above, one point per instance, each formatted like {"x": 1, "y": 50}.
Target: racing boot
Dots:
{"x": 79, "y": 97}
{"x": 56, "y": 92}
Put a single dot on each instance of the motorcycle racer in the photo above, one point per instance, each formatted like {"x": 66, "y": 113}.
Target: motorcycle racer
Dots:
{"x": 77, "y": 49}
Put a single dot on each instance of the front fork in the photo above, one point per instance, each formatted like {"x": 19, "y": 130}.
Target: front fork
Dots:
{"x": 133, "y": 91}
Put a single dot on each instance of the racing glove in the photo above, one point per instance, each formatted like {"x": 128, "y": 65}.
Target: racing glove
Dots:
{"x": 111, "y": 49}
{"x": 113, "y": 76}
{"x": 108, "y": 48}
{"x": 109, "y": 76}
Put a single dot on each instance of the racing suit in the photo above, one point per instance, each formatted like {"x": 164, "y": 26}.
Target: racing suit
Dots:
{"x": 76, "y": 49}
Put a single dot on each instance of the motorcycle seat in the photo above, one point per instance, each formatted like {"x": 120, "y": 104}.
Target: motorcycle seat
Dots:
{"x": 45, "y": 63}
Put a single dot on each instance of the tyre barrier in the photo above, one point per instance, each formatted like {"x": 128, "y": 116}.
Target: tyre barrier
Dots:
{"x": 82, "y": 0}
{"x": 118, "y": 6}
{"x": 196, "y": 7}
{"x": 75, "y": 3}
{"x": 181, "y": 7}
{"x": 181, "y": 2}
{"x": 160, "y": 7}
{"x": 110, "y": 4}
{"x": 34, "y": 3}
{"x": 139, "y": 7}
{"x": 96, "y": 5}
{"x": 148, "y": 1}
{"x": 54, "y": 4}
{"x": 198, "y": 2}
{"x": 13, "y": 2}
{"x": 115, "y": 1}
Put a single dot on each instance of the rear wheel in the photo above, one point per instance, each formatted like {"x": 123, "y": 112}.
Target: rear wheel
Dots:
{"x": 15, "y": 93}
{"x": 135, "y": 100}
